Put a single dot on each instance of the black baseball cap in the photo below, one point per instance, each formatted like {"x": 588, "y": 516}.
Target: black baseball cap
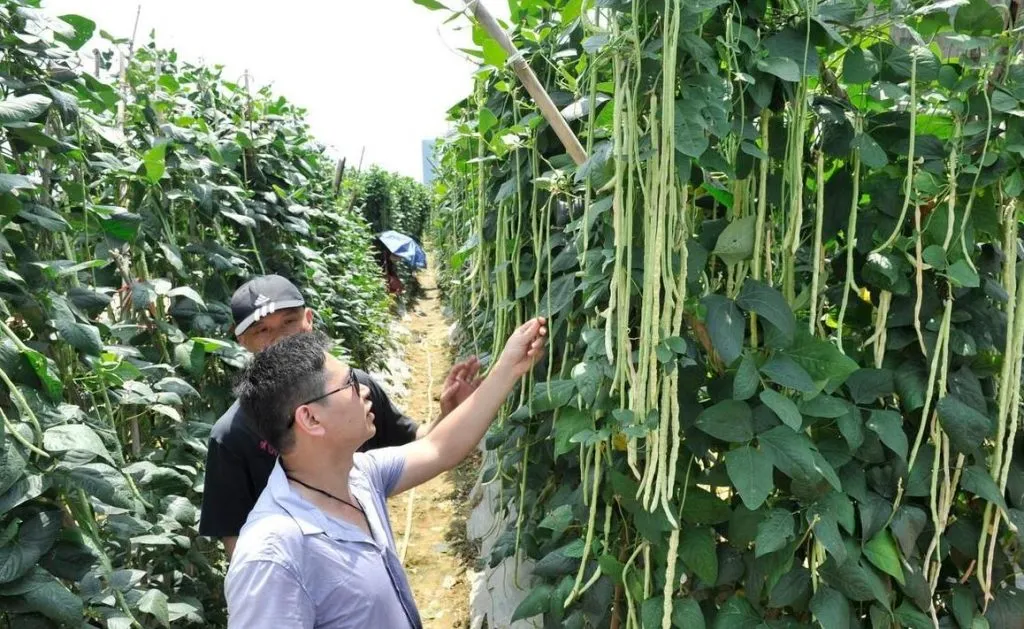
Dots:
{"x": 260, "y": 297}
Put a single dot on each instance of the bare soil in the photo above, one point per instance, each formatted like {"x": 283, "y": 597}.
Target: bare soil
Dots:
{"x": 438, "y": 553}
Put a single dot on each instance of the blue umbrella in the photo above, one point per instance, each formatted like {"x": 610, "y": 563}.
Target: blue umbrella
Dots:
{"x": 404, "y": 247}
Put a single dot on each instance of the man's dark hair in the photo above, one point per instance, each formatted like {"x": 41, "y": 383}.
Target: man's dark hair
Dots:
{"x": 278, "y": 380}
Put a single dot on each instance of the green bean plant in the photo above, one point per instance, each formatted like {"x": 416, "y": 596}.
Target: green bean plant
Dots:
{"x": 132, "y": 203}
{"x": 783, "y": 383}
{"x": 390, "y": 201}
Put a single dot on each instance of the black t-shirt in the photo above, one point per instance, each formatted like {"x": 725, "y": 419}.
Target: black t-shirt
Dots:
{"x": 239, "y": 462}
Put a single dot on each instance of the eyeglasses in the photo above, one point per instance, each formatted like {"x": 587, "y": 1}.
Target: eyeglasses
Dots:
{"x": 350, "y": 382}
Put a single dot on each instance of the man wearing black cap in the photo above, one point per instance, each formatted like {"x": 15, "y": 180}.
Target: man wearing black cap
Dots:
{"x": 268, "y": 309}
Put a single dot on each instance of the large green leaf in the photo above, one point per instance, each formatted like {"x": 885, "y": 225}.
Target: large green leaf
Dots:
{"x": 40, "y": 215}
{"x": 785, "y": 371}
{"x": 966, "y": 427}
{"x": 747, "y": 380}
{"x": 785, "y": 69}
{"x": 558, "y": 296}
{"x": 977, "y": 480}
{"x": 859, "y": 66}
{"x": 46, "y": 370}
{"x": 10, "y": 182}
{"x": 792, "y": 43}
{"x": 36, "y": 536}
{"x": 587, "y": 376}
{"x": 857, "y": 581}
{"x": 827, "y": 366}
{"x": 888, "y": 425}
{"x": 78, "y": 439}
{"x": 686, "y": 612}
{"x": 729, "y": 420}
{"x": 25, "y": 489}
{"x": 774, "y": 532}
{"x": 83, "y": 31}
{"x": 101, "y": 481}
{"x": 868, "y": 384}
{"x": 882, "y": 552}
{"x": 118, "y": 222}
{"x": 553, "y": 394}
{"x": 81, "y": 336}
{"x": 12, "y": 465}
{"x": 769, "y": 303}
{"x": 871, "y": 154}
{"x": 825, "y": 407}
{"x": 558, "y": 520}
{"x": 831, "y": 609}
{"x": 651, "y": 612}
{"x": 701, "y": 507}
{"x": 154, "y": 603}
{"x": 23, "y": 108}
{"x": 40, "y": 592}
{"x": 736, "y": 242}
{"x": 750, "y": 471}
{"x": 569, "y": 423}
{"x": 737, "y": 613}
{"x": 697, "y": 549}
{"x": 726, "y": 326}
{"x": 907, "y": 525}
{"x": 783, "y": 407}
{"x": 795, "y": 455}
{"x": 979, "y": 17}
{"x": 792, "y": 589}
{"x": 155, "y": 162}
{"x": 536, "y": 602}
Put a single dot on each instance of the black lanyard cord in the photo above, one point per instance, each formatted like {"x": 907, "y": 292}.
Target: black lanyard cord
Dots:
{"x": 329, "y": 495}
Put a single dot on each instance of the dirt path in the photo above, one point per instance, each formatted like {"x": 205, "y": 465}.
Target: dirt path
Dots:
{"x": 436, "y": 559}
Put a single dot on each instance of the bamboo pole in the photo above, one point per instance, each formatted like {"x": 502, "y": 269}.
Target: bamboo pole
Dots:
{"x": 530, "y": 82}
{"x": 339, "y": 174}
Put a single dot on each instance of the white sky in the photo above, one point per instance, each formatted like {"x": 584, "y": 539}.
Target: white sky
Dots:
{"x": 373, "y": 73}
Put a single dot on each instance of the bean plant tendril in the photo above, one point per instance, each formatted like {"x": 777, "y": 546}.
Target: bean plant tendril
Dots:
{"x": 785, "y": 297}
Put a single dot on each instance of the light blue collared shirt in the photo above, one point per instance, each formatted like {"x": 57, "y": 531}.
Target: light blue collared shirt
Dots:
{"x": 296, "y": 567}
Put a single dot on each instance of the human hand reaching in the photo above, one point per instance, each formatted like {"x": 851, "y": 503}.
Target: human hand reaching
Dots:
{"x": 524, "y": 348}
{"x": 462, "y": 380}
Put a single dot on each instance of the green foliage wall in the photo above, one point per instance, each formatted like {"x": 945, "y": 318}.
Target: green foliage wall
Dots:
{"x": 129, "y": 212}
{"x": 390, "y": 201}
{"x": 783, "y": 383}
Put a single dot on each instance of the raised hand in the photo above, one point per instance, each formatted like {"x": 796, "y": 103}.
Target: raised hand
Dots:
{"x": 524, "y": 347}
{"x": 462, "y": 380}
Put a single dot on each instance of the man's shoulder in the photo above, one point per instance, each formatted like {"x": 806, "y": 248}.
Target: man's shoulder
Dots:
{"x": 228, "y": 423}
{"x": 271, "y": 536}
{"x": 231, "y": 427}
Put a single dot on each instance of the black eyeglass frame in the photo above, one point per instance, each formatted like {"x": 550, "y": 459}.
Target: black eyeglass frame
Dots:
{"x": 349, "y": 382}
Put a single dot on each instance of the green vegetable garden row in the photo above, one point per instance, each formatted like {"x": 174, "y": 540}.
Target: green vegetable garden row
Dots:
{"x": 132, "y": 204}
{"x": 783, "y": 386}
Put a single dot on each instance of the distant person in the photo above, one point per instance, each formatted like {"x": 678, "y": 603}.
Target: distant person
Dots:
{"x": 266, "y": 310}
{"x": 318, "y": 549}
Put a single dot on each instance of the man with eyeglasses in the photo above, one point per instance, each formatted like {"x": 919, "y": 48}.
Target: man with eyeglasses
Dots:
{"x": 266, "y": 310}
{"x": 318, "y": 549}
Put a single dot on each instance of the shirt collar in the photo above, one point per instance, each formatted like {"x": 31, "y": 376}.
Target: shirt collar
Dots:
{"x": 313, "y": 521}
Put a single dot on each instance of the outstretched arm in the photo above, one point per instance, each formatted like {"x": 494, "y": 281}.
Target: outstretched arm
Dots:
{"x": 452, "y": 440}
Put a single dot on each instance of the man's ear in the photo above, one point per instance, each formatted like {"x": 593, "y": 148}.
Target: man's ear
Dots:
{"x": 308, "y": 319}
{"x": 306, "y": 421}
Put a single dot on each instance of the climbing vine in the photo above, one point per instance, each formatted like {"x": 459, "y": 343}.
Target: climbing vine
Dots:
{"x": 783, "y": 385}
{"x": 132, "y": 204}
